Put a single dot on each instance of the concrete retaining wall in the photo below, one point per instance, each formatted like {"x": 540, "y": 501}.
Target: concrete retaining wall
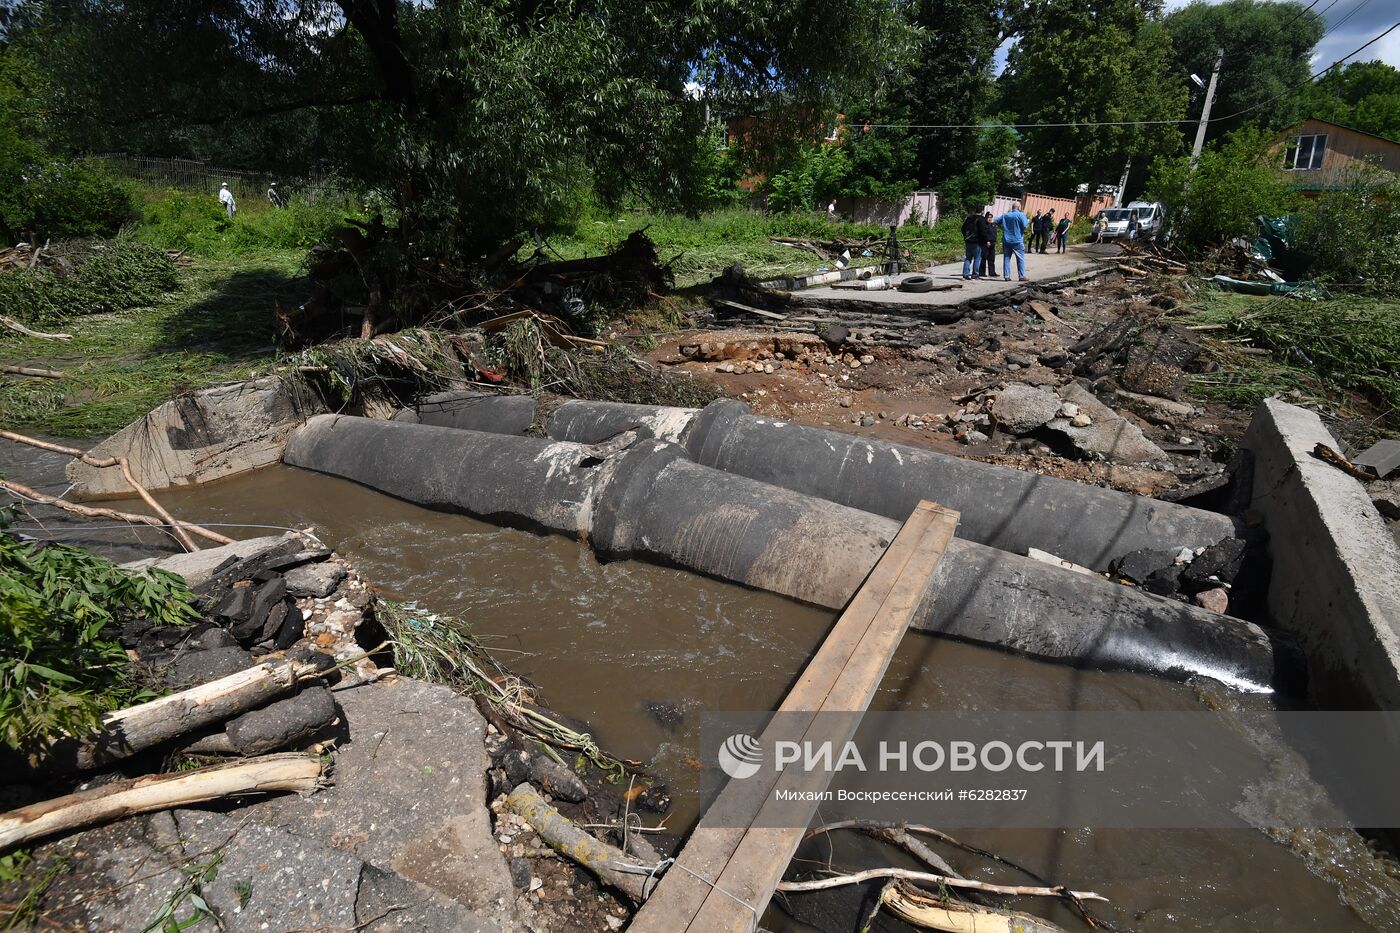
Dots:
{"x": 1336, "y": 568}
{"x": 198, "y": 437}
{"x": 652, "y": 502}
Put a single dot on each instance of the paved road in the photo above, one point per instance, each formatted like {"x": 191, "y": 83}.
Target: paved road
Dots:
{"x": 1039, "y": 268}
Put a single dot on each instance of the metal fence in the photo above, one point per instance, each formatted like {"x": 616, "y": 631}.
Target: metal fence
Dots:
{"x": 193, "y": 175}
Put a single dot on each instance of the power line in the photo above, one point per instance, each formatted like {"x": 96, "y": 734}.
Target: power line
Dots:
{"x": 1097, "y": 123}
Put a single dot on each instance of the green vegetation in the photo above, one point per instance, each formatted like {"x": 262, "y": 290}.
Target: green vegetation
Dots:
{"x": 118, "y": 366}
{"x": 1235, "y": 182}
{"x": 111, "y": 275}
{"x": 197, "y": 224}
{"x": 1353, "y": 232}
{"x": 1320, "y": 347}
{"x": 61, "y": 666}
{"x": 701, "y": 247}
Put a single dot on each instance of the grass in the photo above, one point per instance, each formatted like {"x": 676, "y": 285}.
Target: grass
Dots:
{"x": 1343, "y": 352}
{"x": 216, "y": 327}
{"x": 701, "y": 247}
{"x": 196, "y": 223}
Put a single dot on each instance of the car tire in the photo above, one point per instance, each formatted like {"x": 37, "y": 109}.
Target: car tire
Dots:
{"x": 917, "y": 283}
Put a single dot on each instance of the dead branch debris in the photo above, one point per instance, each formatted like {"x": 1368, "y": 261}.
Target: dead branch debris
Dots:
{"x": 292, "y": 772}
{"x": 181, "y": 529}
{"x": 31, "y": 371}
{"x": 14, "y": 325}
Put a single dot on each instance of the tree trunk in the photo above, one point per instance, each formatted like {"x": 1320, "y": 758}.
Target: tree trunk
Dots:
{"x": 288, "y": 772}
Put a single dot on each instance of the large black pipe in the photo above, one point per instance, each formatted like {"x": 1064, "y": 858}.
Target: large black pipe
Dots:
{"x": 652, "y": 502}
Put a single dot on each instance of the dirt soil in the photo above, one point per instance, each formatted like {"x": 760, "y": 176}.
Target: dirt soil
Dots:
{"x": 931, "y": 385}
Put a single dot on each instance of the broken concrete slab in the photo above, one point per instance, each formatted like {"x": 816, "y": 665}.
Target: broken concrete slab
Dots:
{"x": 409, "y": 793}
{"x": 1108, "y": 434}
{"x": 1383, "y": 457}
{"x": 1336, "y": 569}
{"x": 1021, "y": 408}
{"x": 218, "y": 432}
{"x": 198, "y": 566}
{"x": 315, "y": 580}
{"x": 261, "y": 879}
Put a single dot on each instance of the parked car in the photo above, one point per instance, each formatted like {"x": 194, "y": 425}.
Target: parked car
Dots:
{"x": 1150, "y": 216}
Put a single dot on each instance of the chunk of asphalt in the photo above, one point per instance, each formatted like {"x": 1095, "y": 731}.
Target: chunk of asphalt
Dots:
{"x": 293, "y": 627}
{"x": 315, "y": 580}
{"x": 267, "y": 595}
{"x": 279, "y": 724}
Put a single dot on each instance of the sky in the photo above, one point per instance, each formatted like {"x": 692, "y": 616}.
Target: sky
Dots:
{"x": 1363, "y": 19}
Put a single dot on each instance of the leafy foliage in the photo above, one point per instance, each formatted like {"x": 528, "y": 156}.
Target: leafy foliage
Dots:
{"x": 1235, "y": 181}
{"x": 110, "y": 276}
{"x": 820, "y": 173}
{"x": 1362, "y": 95}
{"x": 984, "y": 176}
{"x": 1267, "y": 51}
{"x": 61, "y": 666}
{"x": 197, "y": 223}
{"x": 60, "y": 198}
{"x": 1353, "y": 231}
{"x": 1104, "y": 61}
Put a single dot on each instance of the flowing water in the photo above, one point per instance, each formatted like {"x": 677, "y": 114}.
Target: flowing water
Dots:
{"x": 610, "y": 644}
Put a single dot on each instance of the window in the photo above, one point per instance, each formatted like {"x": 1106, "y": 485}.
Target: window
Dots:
{"x": 1306, "y": 153}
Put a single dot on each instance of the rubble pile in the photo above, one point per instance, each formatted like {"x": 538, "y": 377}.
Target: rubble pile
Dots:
{"x": 288, "y": 594}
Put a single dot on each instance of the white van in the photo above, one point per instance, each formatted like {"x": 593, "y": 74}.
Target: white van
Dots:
{"x": 1114, "y": 220}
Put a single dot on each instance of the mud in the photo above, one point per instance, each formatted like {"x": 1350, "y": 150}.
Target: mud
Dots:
{"x": 638, "y": 651}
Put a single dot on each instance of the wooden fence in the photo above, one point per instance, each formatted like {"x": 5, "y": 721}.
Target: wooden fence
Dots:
{"x": 248, "y": 187}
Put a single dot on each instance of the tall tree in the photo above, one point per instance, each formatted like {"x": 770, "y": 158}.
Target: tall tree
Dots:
{"x": 1268, "y": 49}
{"x": 1362, "y": 95}
{"x": 949, "y": 80}
{"x": 470, "y": 122}
{"x": 1104, "y": 67}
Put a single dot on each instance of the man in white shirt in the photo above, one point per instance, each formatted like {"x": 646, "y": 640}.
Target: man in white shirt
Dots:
{"x": 226, "y": 199}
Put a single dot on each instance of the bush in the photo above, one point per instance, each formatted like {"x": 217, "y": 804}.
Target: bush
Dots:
{"x": 197, "y": 223}
{"x": 62, "y": 199}
{"x": 112, "y": 275}
{"x": 61, "y": 665}
{"x": 820, "y": 173}
{"x": 1353, "y": 232}
{"x": 1235, "y": 181}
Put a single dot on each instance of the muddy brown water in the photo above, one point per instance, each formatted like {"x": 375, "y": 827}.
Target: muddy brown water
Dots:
{"x": 604, "y": 641}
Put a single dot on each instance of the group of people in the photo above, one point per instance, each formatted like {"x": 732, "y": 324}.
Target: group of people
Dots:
{"x": 980, "y": 239}
{"x": 230, "y": 206}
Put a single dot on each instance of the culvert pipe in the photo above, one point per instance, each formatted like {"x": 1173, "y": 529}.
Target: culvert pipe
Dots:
{"x": 1002, "y": 507}
{"x": 652, "y": 502}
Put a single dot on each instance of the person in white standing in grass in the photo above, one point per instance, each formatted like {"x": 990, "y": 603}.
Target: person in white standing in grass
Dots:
{"x": 226, "y": 199}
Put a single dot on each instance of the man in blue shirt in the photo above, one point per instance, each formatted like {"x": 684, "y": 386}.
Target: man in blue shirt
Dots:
{"x": 1013, "y": 241}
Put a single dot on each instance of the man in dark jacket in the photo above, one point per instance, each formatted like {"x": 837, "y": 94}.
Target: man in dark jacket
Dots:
{"x": 988, "y": 232}
{"x": 972, "y": 247}
{"x": 1047, "y": 226}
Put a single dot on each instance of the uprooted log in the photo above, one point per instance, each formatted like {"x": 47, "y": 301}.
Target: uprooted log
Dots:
{"x": 14, "y": 325}
{"x": 269, "y": 774}
{"x": 127, "y": 731}
{"x": 565, "y": 837}
{"x": 904, "y": 874}
{"x": 32, "y": 371}
{"x": 632, "y": 272}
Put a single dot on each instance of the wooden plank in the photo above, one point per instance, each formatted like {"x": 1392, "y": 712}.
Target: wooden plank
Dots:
{"x": 707, "y": 852}
{"x": 842, "y": 676}
{"x": 750, "y": 310}
{"x": 766, "y": 851}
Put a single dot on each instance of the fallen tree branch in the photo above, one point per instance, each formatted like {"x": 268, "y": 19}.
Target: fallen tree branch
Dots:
{"x": 180, "y": 528}
{"x": 860, "y": 877}
{"x": 923, "y": 909}
{"x": 12, "y": 324}
{"x": 287, "y": 772}
{"x": 127, "y": 731}
{"x": 564, "y": 836}
{"x": 88, "y": 511}
{"x": 31, "y": 371}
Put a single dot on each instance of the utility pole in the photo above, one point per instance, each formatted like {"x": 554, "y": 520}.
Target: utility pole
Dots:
{"x": 1205, "y": 109}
